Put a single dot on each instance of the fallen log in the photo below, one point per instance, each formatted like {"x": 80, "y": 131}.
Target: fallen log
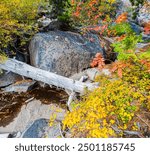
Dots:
{"x": 49, "y": 78}
{"x": 72, "y": 96}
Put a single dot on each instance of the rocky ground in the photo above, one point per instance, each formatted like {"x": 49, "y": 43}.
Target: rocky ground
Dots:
{"x": 26, "y": 110}
{"x": 19, "y": 110}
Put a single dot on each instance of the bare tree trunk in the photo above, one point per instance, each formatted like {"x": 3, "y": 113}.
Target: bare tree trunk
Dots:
{"x": 45, "y": 76}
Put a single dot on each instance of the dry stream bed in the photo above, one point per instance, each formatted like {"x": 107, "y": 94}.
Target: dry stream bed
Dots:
{"x": 11, "y": 103}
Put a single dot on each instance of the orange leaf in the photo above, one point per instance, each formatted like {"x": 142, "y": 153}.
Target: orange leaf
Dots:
{"x": 119, "y": 66}
{"x": 147, "y": 28}
{"x": 121, "y": 18}
{"x": 120, "y": 72}
{"x": 98, "y": 61}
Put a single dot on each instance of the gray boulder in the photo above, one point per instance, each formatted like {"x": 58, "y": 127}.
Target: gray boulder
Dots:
{"x": 136, "y": 28}
{"x": 8, "y": 78}
{"x": 21, "y": 86}
{"x": 144, "y": 14}
{"x": 40, "y": 129}
{"x": 43, "y": 22}
{"x": 64, "y": 53}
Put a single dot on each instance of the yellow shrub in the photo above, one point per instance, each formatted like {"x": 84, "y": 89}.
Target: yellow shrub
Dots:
{"x": 113, "y": 104}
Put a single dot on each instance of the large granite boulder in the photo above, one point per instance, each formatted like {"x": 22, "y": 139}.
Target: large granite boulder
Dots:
{"x": 64, "y": 53}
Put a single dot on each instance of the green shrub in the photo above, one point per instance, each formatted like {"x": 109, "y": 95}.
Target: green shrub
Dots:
{"x": 137, "y": 2}
{"x": 126, "y": 47}
{"x": 121, "y": 28}
{"x": 61, "y": 9}
{"x": 81, "y": 13}
{"x": 17, "y": 22}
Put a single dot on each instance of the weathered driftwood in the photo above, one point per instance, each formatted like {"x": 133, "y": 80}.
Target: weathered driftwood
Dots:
{"x": 72, "y": 96}
{"x": 45, "y": 76}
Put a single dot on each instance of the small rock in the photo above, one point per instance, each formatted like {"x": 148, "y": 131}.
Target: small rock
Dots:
{"x": 91, "y": 73}
{"x": 144, "y": 14}
{"x": 136, "y": 28}
{"x": 8, "y": 78}
{"x": 146, "y": 38}
{"x": 126, "y": 3}
{"x": 4, "y": 135}
{"x": 123, "y": 6}
{"x": 40, "y": 129}
{"x": 21, "y": 86}
{"x": 43, "y": 22}
{"x": 142, "y": 46}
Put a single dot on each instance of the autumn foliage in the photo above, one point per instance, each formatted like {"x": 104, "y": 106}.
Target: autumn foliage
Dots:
{"x": 98, "y": 61}
{"x": 115, "y": 106}
{"x": 119, "y": 67}
{"x": 121, "y": 18}
{"x": 90, "y": 12}
{"x": 147, "y": 28}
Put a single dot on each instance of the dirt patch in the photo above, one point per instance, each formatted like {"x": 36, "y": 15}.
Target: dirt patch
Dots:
{"x": 48, "y": 95}
{"x": 11, "y": 103}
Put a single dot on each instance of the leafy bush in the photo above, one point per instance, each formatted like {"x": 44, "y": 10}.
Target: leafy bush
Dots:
{"x": 60, "y": 9}
{"x": 126, "y": 39}
{"x": 90, "y": 12}
{"x": 126, "y": 47}
{"x": 112, "y": 106}
{"x": 147, "y": 28}
{"x": 3, "y": 57}
{"x": 120, "y": 97}
{"x": 17, "y": 22}
{"x": 121, "y": 28}
{"x": 137, "y": 2}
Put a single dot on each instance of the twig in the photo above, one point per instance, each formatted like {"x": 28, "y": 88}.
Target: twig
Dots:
{"x": 71, "y": 98}
{"x": 30, "y": 99}
{"x": 73, "y": 94}
{"x": 60, "y": 130}
{"x": 143, "y": 120}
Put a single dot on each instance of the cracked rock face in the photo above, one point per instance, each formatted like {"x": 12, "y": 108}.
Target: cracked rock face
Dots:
{"x": 64, "y": 53}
